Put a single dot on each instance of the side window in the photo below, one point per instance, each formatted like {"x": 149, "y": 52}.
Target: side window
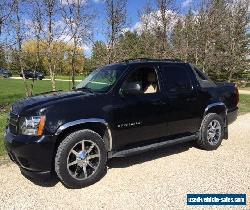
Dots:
{"x": 200, "y": 75}
{"x": 177, "y": 79}
{"x": 144, "y": 78}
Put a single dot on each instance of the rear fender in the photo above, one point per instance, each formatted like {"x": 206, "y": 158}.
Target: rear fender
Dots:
{"x": 220, "y": 109}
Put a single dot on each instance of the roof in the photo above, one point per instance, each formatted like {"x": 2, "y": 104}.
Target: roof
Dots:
{"x": 145, "y": 60}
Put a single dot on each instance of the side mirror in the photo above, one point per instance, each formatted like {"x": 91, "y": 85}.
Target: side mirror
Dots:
{"x": 131, "y": 88}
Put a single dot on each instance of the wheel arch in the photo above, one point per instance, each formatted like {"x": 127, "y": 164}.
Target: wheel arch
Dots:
{"x": 99, "y": 126}
{"x": 218, "y": 108}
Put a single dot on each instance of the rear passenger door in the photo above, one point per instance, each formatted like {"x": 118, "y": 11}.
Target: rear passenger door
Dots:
{"x": 183, "y": 111}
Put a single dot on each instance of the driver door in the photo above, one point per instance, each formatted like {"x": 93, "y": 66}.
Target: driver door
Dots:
{"x": 138, "y": 118}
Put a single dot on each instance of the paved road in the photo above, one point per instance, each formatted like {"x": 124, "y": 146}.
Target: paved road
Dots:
{"x": 244, "y": 92}
{"x": 154, "y": 180}
{"x": 46, "y": 79}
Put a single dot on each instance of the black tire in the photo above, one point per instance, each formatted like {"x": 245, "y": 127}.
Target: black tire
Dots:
{"x": 203, "y": 141}
{"x": 64, "y": 149}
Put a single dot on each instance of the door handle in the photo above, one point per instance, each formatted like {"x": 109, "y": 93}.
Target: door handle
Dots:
{"x": 158, "y": 103}
{"x": 190, "y": 99}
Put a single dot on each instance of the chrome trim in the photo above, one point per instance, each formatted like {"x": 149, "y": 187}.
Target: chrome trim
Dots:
{"x": 88, "y": 120}
{"x": 110, "y": 138}
{"x": 124, "y": 153}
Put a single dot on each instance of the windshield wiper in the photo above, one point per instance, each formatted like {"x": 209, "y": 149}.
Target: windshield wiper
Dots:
{"x": 84, "y": 89}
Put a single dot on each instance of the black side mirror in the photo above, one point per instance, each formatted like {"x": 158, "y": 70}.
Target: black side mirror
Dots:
{"x": 131, "y": 88}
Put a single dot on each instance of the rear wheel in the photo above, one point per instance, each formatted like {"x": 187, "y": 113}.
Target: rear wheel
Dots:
{"x": 211, "y": 132}
{"x": 81, "y": 159}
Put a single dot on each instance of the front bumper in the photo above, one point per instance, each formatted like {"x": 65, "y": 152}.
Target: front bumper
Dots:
{"x": 31, "y": 153}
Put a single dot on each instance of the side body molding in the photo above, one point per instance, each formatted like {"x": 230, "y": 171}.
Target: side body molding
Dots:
{"x": 84, "y": 121}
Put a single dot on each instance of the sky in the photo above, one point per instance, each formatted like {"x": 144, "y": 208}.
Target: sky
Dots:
{"x": 133, "y": 6}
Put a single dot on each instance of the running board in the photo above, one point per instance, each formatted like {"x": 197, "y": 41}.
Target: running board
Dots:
{"x": 124, "y": 153}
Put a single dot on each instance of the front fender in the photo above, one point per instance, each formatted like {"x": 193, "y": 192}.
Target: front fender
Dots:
{"x": 95, "y": 122}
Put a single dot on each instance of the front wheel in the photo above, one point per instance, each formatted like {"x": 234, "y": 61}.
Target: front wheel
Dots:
{"x": 81, "y": 159}
{"x": 211, "y": 132}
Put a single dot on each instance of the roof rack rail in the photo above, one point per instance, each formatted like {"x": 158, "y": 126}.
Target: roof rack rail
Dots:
{"x": 151, "y": 59}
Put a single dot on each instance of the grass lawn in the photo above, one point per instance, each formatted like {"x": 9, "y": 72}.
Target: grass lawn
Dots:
{"x": 3, "y": 118}
{"x": 12, "y": 90}
{"x": 244, "y": 105}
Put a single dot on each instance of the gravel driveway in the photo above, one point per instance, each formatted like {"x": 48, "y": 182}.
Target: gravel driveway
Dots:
{"x": 154, "y": 180}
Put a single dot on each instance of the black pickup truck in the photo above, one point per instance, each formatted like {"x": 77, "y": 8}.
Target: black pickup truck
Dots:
{"x": 118, "y": 110}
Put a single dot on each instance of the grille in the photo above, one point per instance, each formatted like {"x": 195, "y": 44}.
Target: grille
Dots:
{"x": 13, "y": 123}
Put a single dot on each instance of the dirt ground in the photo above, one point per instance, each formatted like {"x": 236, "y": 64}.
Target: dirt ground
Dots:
{"x": 157, "y": 179}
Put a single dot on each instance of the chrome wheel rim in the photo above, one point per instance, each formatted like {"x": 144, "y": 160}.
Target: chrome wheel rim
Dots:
{"x": 214, "y": 132}
{"x": 83, "y": 159}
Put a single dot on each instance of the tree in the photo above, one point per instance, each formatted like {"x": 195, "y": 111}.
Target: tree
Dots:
{"x": 177, "y": 39}
{"x": 3, "y": 62}
{"x": 99, "y": 54}
{"x": 18, "y": 24}
{"x": 128, "y": 46}
{"x": 238, "y": 40}
{"x": 163, "y": 27}
{"x": 116, "y": 21}
{"x": 61, "y": 54}
{"x": 147, "y": 39}
{"x": 6, "y": 9}
{"x": 50, "y": 9}
{"x": 79, "y": 21}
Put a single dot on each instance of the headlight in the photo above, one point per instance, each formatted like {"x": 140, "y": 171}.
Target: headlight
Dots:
{"x": 32, "y": 126}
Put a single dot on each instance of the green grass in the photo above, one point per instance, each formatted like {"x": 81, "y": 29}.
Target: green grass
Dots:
{"x": 244, "y": 105}
{"x": 3, "y": 118}
{"x": 11, "y": 90}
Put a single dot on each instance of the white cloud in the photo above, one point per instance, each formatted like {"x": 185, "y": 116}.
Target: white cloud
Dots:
{"x": 186, "y": 3}
{"x": 152, "y": 20}
{"x": 195, "y": 12}
{"x": 65, "y": 2}
{"x": 86, "y": 48}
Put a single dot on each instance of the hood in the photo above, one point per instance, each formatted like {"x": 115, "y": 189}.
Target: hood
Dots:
{"x": 46, "y": 99}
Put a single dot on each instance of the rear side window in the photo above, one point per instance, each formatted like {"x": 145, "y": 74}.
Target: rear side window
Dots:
{"x": 177, "y": 78}
{"x": 203, "y": 79}
{"x": 200, "y": 75}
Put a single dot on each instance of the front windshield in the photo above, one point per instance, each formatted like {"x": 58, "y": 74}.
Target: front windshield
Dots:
{"x": 102, "y": 80}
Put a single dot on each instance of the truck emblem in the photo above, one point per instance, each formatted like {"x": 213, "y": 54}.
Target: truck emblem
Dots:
{"x": 129, "y": 125}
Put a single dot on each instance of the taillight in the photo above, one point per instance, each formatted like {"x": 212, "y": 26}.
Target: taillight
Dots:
{"x": 237, "y": 94}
